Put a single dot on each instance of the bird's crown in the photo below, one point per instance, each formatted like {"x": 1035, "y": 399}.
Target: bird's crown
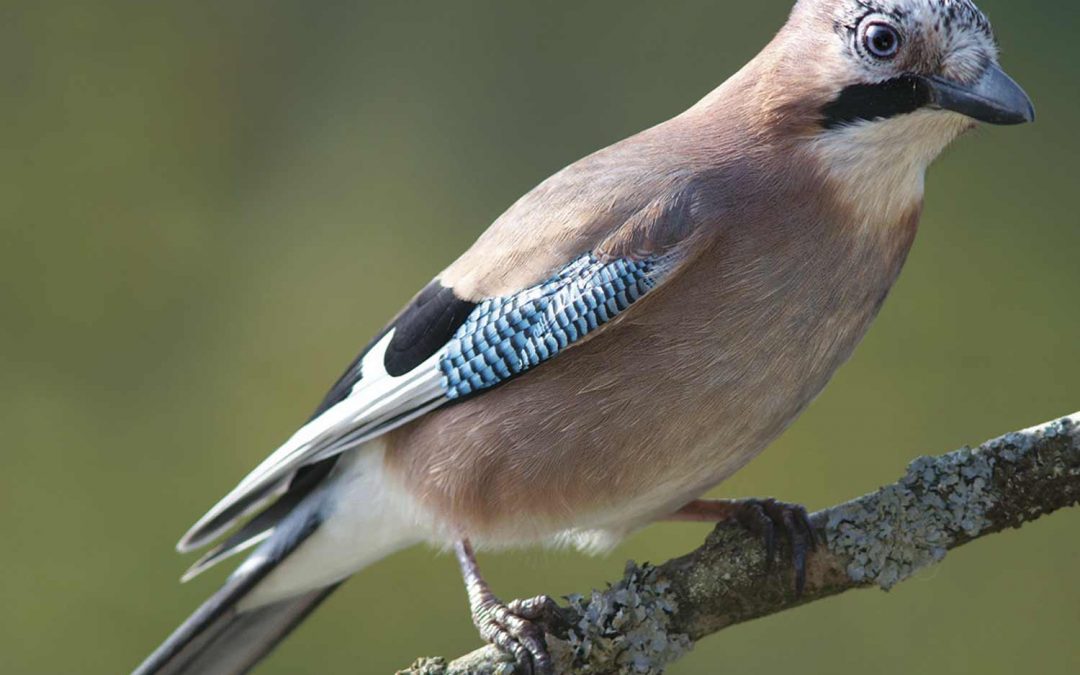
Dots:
{"x": 952, "y": 38}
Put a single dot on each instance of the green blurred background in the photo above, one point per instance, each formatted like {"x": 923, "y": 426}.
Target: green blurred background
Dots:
{"x": 207, "y": 208}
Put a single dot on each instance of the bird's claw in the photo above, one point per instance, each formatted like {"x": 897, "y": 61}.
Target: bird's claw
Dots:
{"x": 764, "y": 516}
{"x": 517, "y": 629}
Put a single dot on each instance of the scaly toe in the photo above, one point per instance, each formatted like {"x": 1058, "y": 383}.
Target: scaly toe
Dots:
{"x": 755, "y": 517}
{"x": 512, "y": 629}
{"x": 765, "y": 515}
{"x": 541, "y": 608}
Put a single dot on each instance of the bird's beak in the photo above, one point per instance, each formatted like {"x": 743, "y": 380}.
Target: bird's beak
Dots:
{"x": 994, "y": 98}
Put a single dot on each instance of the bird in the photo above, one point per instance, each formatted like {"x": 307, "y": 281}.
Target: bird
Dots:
{"x": 621, "y": 340}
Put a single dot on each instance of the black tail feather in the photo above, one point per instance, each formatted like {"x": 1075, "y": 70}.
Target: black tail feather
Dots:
{"x": 219, "y": 639}
{"x": 223, "y": 641}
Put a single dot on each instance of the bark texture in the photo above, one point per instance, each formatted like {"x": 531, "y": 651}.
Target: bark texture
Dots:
{"x": 653, "y": 615}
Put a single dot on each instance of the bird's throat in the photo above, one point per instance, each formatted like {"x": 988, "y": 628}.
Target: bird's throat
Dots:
{"x": 878, "y": 167}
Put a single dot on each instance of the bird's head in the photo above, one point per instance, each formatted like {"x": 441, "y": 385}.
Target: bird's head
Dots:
{"x": 897, "y": 57}
{"x": 881, "y": 87}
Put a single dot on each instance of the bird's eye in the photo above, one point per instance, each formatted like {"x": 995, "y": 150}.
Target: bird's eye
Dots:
{"x": 881, "y": 40}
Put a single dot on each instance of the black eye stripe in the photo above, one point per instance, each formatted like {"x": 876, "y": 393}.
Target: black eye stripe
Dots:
{"x": 865, "y": 102}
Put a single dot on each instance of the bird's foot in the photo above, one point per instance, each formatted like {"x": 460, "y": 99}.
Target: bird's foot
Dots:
{"x": 762, "y": 517}
{"x": 517, "y": 628}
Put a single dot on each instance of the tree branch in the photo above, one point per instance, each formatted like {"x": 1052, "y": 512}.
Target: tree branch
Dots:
{"x": 654, "y": 614}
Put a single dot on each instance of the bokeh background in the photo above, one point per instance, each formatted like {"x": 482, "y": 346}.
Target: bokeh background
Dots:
{"x": 207, "y": 208}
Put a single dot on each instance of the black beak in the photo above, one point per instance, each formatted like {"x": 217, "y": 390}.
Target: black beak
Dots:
{"x": 994, "y": 98}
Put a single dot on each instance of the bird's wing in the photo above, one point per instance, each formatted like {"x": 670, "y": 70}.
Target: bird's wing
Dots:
{"x": 447, "y": 345}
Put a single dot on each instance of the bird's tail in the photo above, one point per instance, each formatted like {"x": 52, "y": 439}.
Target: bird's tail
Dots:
{"x": 332, "y": 533}
{"x": 219, "y": 639}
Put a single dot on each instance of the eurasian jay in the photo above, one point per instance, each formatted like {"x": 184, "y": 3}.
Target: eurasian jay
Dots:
{"x": 626, "y": 336}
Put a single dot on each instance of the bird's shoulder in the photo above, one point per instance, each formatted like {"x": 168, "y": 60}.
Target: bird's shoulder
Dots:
{"x": 633, "y": 199}
{"x": 629, "y": 209}
{"x": 635, "y": 207}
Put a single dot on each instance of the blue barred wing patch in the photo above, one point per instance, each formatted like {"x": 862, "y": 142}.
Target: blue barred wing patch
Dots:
{"x": 508, "y": 335}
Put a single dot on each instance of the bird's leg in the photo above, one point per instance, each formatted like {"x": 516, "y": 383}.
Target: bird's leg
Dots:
{"x": 515, "y": 628}
{"x": 763, "y": 517}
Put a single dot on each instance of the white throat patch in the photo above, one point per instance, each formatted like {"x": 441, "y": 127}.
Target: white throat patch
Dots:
{"x": 879, "y": 167}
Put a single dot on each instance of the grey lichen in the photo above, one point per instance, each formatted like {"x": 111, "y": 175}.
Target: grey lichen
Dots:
{"x": 624, "y": 629}
{"x": 480, "y": 662}
{"x": 1041, "y": 468}
{"x": 435, "y": 665}
{"x": 890, "y": 535}
{"x": 1017, "y": 446}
